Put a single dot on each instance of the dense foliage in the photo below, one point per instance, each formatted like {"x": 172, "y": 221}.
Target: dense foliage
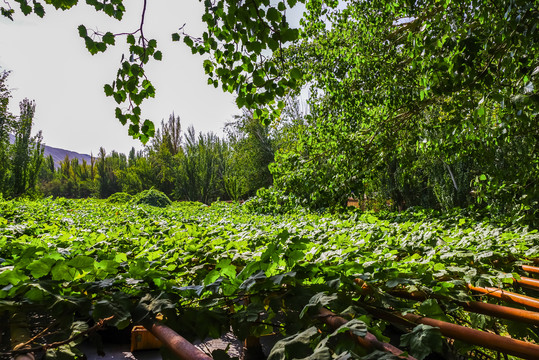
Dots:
{"x": 209, "y": 269}
{"x": 430, "y": 103}
{"x": 152, "y": 197}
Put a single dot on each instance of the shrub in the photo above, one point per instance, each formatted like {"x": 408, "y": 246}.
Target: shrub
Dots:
{"x": 119, "y": 198}
{"x": 153, "y": 197}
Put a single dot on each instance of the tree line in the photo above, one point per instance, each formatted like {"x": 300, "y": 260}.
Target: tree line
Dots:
{"x": 183, "y": 164}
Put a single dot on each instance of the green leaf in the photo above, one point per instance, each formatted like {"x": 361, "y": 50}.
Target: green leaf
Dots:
{"x": 148, "y": 128}
{"x": 273, "y": 14}
{"x": 295, "y": 73}
{"x": 61, "y": 271}
{"x": 423, "y": 340}
{"x": 211, "y": 277}
{"x": 41, "y": 267}
{"x": 355, "y": 326}
{"x": 82, "y": 262}
{"x": 188, "y": 41}
{"x": 481, "y": 111}
{"x": 38, "y": 9}
{"x": 289, "y": 35}
{"x": 37, "y": 293}
{"x": 25, "y": 8}
{"x": 292, "y": 3}
{"x": 391, "y": 283}
{"x": 100, "y": 46}
{"x": 258, "y": 81}
{"x": 226, "y": 269}
{"x": 317, "y": 301}
{"x": 109, "y": 9}
{"x": 64, "y": 352}
{"x": 106, "y": 268}
{"x": 297, "y": 346}
{"x": 62, "y": 4}
{"x": 10, "y": 276}
{"x": 253, "y": 279}
{"x": 108, "y": 90}
{"x": 431, "y": 308}
{"x": 158, "y": 55}
{"x": 108, "y": 38}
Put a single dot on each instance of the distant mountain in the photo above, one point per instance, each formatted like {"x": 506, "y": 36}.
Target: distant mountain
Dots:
{"x": 59, "y": 154}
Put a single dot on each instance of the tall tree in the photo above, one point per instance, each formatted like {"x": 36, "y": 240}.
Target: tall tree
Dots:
{"x": 5, "y": 128}
{"x": 253, "y": 151}
{"x": 200, "y": 167}
{"x": 162, "y": 153}
{"x": 21, "y": 157}
{"x": 27, "y": 152}
{"x": 107, "y": 167}
{"x": 169, "y": 135}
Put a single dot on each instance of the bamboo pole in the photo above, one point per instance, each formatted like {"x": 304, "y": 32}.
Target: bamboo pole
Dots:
{"x": 527, "y": 301}
{"x": 503, "y": 344}
{"x": 528, "y": 282}
{"x": 369, "y": 342}
{"x": 530, "y": 269}
{"x": 176, "y": 343}
{"x": 484, "y": 339}
{"x": 506, "y": 312}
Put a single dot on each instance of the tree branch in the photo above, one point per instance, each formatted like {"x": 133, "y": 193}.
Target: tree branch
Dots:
{"x": 97, "y": 326}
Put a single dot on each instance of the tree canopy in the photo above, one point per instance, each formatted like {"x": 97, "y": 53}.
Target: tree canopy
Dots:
{"x": 422, "y": 50}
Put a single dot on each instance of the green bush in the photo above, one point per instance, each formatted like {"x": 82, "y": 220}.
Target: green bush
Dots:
{"x": 152, "y": 197}
{"x": 120, "y": 198}
{"x": 273, "y": 201}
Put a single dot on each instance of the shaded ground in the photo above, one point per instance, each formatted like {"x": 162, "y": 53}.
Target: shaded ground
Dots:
{"x": 122, "y": 350}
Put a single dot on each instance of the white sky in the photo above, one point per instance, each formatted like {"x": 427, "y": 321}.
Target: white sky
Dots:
{"x": 51, "y": 65}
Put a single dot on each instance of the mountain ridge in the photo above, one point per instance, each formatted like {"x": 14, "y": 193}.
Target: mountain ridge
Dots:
{"x": 59, "y": 154}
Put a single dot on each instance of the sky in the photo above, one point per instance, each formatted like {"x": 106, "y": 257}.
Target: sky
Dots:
{"x": 50, "y": 64}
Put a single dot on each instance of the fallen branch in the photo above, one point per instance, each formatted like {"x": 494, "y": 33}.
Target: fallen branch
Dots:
{"x": 45, "y": 347}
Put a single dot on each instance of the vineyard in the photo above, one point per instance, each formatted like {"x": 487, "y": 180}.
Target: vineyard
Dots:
{"x": 205, "y": 271}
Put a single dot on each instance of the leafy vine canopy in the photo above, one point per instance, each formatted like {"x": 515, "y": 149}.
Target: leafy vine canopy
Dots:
{"x": 385, "y": 60}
